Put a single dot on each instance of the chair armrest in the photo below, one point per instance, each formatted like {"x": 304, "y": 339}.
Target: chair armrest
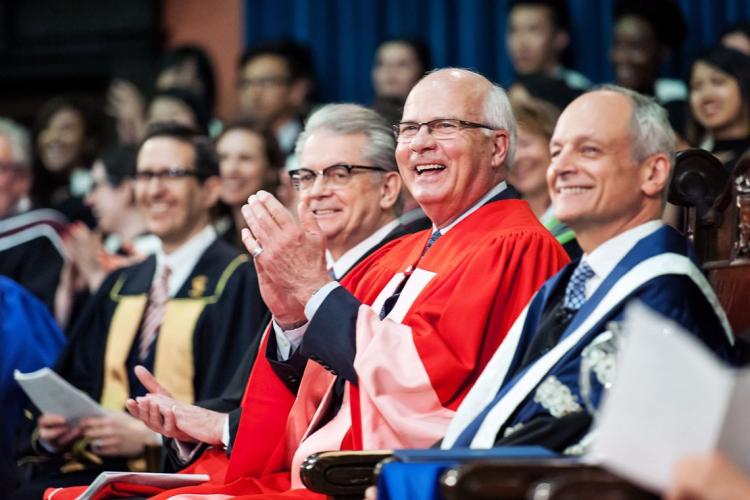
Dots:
{"x": 341, "y": 473}
{"x": 588, "y": 484}
{"x": 509, "y": 479}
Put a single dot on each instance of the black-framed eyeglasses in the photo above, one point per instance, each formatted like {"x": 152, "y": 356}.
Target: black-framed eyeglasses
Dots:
{"x": 169, "y": 174}
{"x": 335, "y": 176}
{"x": 439, "y": 128}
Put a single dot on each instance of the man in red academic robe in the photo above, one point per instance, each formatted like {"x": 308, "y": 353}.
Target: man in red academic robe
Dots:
{"x": 397, "y": 343}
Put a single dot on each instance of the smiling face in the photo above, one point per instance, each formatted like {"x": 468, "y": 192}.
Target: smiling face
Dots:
{"x": 15, "y": 181}
{"x": 349, "y": 214}
{"x": 635, "y": 54}
{"x": 529, "y": 172}
{"x": 715, "y": 99}
{"x": 596, "y": 187}
{"x": 447, "y": 176}
{"x": 175, "y": 209}
{"x": 396, "y": 70}
{"x": 243, "y": 165}
{"x": 61, "y": 143}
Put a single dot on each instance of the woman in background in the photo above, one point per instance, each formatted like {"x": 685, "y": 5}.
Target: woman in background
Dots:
{"x": 399, "y": 64}
{"x": 720, "y": 104}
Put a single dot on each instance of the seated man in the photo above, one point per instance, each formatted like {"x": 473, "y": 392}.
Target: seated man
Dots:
{"x": 612, "y": 153}
{"x": 30, "y": 244}
{"x": 358, "y": 215}
{"x": 400, "y": 340}
{"x": 189, "y": 313}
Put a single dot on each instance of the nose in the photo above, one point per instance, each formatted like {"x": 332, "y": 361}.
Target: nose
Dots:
{"x": 561, "y": 164}
{"x": 319, "y": 188}
{"x": 423, "y": 140}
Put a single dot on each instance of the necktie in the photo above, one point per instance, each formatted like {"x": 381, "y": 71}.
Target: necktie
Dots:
{"x": 152, "y": 319}
{"x": 391, "y": 301}
{"x": 575, "y": 292}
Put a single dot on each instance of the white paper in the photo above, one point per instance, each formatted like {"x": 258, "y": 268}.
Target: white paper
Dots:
{"x": 166, "y": 481}
{"x": 671, "y": 398}
{"x": 53, "y": 394}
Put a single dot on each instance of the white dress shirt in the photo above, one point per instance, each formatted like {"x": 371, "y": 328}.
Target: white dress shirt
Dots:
{"x": 182, "y": 261}
{"x": 605, "y": 257}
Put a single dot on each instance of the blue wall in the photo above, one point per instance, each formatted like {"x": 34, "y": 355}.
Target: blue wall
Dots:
{"x": 343, "y": 34}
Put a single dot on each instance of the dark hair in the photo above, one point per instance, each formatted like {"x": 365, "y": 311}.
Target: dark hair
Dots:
{"x": 192, "y": 101}
{"x": 206, "y": 159}
{"x": 740, "y": 27}
{"x": 420, "y": 48}
{"x": 298, "y": 57}
{"x": 558, "y": 9}
{"x": 119, "y": 163}
{"x": 93, "y": 122}
{"x": 664, "y": 16}
{"x": 271, "y": 149}
{"x": 546, "y": 88}
{"x": 179, "y": 55}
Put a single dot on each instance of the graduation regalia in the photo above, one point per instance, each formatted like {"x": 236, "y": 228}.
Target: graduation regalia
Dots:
{"x": 31, "y": 252}
{"x": 511, "y": 398}
{"x": 405, "y": 375}
{"x": 208, "y": 327}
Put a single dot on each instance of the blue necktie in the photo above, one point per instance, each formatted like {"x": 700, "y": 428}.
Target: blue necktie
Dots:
{"x": 575, "y": 292}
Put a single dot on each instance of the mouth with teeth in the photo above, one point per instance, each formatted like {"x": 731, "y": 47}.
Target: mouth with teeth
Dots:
{"x": 324, "y": 212}
{"x": 432, "y": 167}
{"x": 572, "y": 190}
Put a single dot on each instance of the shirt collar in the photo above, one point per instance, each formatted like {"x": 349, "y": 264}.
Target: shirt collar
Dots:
{"x": 605, "y": 257}
{"x": 182, "y": 261}
{"x": 476, "y": 206}
{"x": 351, "y": 256}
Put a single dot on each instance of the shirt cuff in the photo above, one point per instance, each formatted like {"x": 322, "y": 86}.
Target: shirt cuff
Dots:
{"x": 318, "y": 297}
{"x": 287, "y": 341}
{"x": 225, "y": 433}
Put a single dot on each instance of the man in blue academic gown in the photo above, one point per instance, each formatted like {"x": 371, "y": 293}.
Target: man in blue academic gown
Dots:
{"x": 612, "y": 154}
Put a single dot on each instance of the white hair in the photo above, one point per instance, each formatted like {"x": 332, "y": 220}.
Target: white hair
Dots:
{"x": 20, "y": 141}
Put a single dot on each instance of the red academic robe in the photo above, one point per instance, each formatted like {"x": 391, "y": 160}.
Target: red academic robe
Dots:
{"x": 414, "y": 367}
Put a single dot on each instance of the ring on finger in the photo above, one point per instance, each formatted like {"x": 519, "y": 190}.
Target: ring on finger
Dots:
{"x": 256, "y": 251}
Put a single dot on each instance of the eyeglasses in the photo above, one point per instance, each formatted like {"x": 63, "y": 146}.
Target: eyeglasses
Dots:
{"x": 263, "y": 82}
{"x": 170, "y": 175}
{"x": 439, "y": 128}
{"x": 336, "y": 176}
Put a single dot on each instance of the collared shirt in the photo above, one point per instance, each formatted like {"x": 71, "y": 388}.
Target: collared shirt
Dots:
{"x": 351, "y": 256}
{"x": 605, "y": 257}
{"x": 182, "y": 261}
{"x": 287, "y": 136}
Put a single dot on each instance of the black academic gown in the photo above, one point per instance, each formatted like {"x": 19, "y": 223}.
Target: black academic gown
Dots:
{"x": 31, "y": 251}
{"x": 218, "y": 311}
{"x": 289, "y": 371}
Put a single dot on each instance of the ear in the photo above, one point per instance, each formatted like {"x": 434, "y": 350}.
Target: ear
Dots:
{"x": 655, "y": 175}
{"x": 211, "y": 188}
{"x": 500, "y": 144}
{"x": 560, "y": 41}
{"x": 390, "y": 190}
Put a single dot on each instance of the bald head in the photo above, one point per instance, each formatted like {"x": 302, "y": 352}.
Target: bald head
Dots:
{"x": 448, "y": 174}
{"x": 598, "y": 185}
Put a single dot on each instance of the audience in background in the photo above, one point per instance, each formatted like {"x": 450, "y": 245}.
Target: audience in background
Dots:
{"x": 276, "y": 81}
{"x": 720, "y": 103}
{"x": 537, "y": 36}
{"x": 186, "y": 67}
{"x": 528, "y": 174}
{"x": 178, "y": 105}
{"x": 249, "y": 160}
{"x": 737, "y": 37}
{"x": 68, "y": 135}
{"x": 30, "y": 243}
{"x": 399, "y": 64}
{"x": 646, "y": 32}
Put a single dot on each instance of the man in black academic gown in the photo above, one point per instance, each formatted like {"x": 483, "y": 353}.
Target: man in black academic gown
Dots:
{"x": 190, "y": 314}
{"x": 30, "y": 243}
{"x": 348, "y": 170}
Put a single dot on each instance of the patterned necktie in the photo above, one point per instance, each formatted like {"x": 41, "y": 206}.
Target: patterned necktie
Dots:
{"x": 152, "y": 319}
{"x": 575, "y": 293}
{"x": 391, "y": 301}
